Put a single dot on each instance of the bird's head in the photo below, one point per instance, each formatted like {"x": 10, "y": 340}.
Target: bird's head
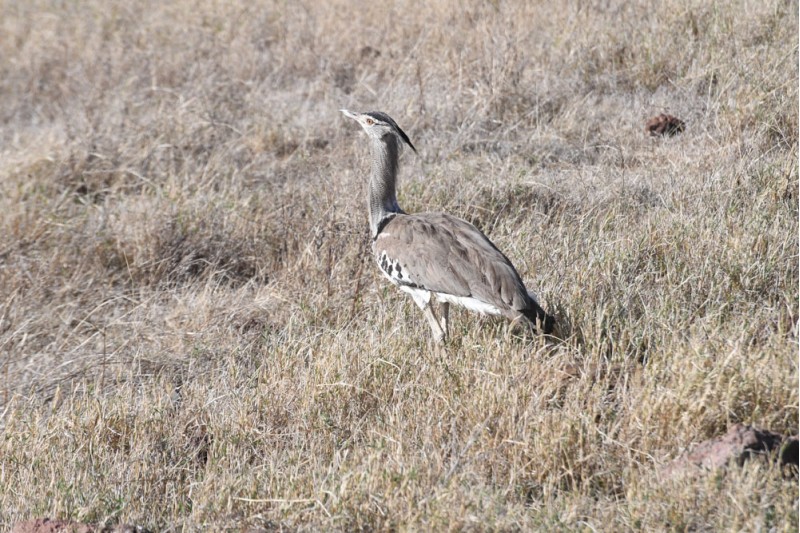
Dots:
{"x": 378, "y": 125}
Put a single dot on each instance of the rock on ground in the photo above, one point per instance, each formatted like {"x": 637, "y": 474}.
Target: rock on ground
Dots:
{"x": 664, "y": 125}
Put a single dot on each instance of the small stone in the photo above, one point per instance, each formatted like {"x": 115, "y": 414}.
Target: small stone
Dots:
{"x": 664, "y": 124}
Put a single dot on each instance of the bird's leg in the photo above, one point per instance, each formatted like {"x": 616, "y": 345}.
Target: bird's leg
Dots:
{"x": 445, "y": 318}
{"x": 436, "y": 328}
{"x": 423, "y": 301}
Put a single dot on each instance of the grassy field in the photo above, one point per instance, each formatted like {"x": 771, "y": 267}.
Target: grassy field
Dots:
{"x": 193, "y": 335}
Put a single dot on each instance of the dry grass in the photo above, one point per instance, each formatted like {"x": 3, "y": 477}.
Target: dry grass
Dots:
{"x": 192, "y": 335}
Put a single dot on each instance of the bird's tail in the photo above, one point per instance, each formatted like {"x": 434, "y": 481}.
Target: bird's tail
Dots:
{"x": 539, "y": 318}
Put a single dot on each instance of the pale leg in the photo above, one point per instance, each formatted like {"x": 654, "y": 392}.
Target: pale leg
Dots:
{"x": 423, "y": 301}
{"x": 445, "y": 318}
{"x": 436, "y": 328}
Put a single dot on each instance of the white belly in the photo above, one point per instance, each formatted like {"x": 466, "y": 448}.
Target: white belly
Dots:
{"x": 470, "y": 303}
{"x": 422, "y": 298}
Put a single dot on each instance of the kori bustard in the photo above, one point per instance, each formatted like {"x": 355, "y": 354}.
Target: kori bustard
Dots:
{"x": 427, "y": 254}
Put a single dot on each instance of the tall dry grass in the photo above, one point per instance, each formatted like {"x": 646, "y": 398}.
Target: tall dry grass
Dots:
{"x": 192, "y": 334}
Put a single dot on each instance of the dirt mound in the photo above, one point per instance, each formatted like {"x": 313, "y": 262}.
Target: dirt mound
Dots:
{"x": 45, "y": 525}
{"x": 738, "y": 445}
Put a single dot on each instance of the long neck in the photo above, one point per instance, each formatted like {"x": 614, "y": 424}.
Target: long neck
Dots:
{"x": 383, "y": 181}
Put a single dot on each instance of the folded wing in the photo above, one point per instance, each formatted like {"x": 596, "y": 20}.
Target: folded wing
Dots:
{"x": 446, "y": 255}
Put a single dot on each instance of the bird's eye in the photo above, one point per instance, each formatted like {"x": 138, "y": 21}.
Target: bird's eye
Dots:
{"x": 369, "y": 122}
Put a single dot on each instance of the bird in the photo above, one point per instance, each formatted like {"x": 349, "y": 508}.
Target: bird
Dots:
{"x": 437, "y": 254}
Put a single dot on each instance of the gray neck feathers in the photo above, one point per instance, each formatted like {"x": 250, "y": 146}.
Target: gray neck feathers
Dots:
{"x": 383, "y": 181}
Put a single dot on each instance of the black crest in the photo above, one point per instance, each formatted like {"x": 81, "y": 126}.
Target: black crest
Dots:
{"x": 383, "y": 117}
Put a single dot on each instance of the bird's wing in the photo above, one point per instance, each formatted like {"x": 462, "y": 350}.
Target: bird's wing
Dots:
{"x": 444, "y": 254}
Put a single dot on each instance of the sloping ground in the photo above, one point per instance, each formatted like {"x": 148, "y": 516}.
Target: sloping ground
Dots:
{"x": 192, "y": 335}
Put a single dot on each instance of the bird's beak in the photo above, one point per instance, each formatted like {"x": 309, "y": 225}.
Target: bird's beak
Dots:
{"x": 349, "y": 114}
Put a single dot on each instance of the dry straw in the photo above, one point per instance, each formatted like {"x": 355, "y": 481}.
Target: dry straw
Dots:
{"x": 191, "y": 337}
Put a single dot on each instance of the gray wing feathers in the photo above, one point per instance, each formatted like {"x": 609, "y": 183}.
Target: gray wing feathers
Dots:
{"x": 442, "y": 253}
